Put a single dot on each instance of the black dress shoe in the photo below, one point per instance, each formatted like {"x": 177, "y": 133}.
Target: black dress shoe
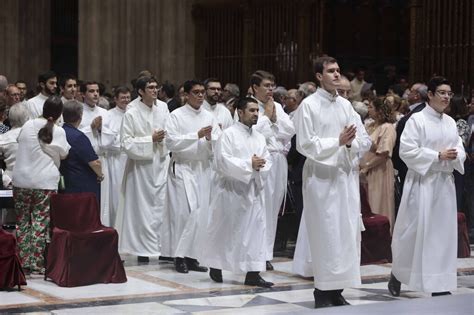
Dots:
{"x": 337, "y": 298}
{"x": 322, "y": 298}
{"x": 254, "y": 279}
{"x": 394, "y": 285}
{"x": 143, "y": 259}
{"x": 180, "y": 265}
{"x": 193, "y": 265}
{"x": 163, "y": 258}
{"x": 440, "y": 293}
{"x": 269, "y": 266}
{"x": 216, "y": 275}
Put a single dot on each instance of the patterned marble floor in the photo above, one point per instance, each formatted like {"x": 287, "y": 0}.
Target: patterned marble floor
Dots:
{"x": 155, "y": 288}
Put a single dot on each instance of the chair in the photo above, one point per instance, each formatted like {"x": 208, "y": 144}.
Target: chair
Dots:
{"x": 11, "y": 273}
{"x": 82, "y": 251}
{"x": 464, "y": 249}
{"x": 376, "y": 239}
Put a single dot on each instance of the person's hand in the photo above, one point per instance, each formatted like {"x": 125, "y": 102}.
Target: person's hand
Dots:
{"x": 257, "y": 162}
{"x": 100, "y": 178}
{"x": 347, "y": 135}
{"x": 373, "y": 147}
{"x": 158, "y": 135}
{"x": 448, "y": 155}
{"x": 270, "y": 110}
{"x": 97, "y": 123}
{"x": 205, "y": 132}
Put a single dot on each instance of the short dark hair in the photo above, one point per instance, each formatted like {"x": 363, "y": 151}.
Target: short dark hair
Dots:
{"x": 189, "y": 84}
{"x": 168, "y": 88}
{"x": 86, "y": 83}
{"x": 121, "y": 90}
{"x": 143, "y": 81}
{"x": 72, "y": 111}
{"x": 102, "y": 88}
{"x": 20, "y": 81}
{"x": 435, "y": 82}
{"x": 258, "y": 76}
{"x": 209, "y": 80}
{"x": 243, "y": 102}
{"x": 65, "y": 78}
{"x": 44, "y": 77}
{"x": 321, "y": 62}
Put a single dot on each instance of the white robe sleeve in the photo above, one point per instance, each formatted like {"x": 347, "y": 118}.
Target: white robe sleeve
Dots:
{"x": 458, "y": 163}
{"x": 110, "y": 139}
{"x": 308, "y": 143}
{"x": 266, "y": 127}
{"x": 286, "y": 128}
{"x": 230, "y": 165}
{"x": 227, "y": 119}
{"x": 416, "y": 157}
{"x": 177, "y": 142}
{"x": 136, "y": 148}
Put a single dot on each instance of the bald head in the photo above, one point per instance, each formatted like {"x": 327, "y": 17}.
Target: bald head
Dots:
{"x": 12, "y": 94}
{"x": 344, "y": 89}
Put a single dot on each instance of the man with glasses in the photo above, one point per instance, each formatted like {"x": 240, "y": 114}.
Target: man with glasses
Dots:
{"x": 277, "y": 128}
{"x": 424, "y": 239}
{"x": 191, "y": 135}
{"x": 212, "y": 105}
{"x": 143, "y": 133}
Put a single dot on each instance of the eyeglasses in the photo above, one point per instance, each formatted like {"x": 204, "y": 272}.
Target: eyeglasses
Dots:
{"x": 198, "y": 92}
{"x": 268, "y": 86}
{"x": 153, "y": 87}
{"x": 443, "y": 93}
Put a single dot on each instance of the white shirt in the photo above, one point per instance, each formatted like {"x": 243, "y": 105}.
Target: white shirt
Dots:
{"x": 37, "y": 165}
{"x": 35, "y": 105}
{"x": 220, "y": 112}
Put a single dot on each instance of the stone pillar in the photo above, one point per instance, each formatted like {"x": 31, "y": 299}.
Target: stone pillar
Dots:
{"x": 119, "y": 38}
{"x": 25, "y": 46}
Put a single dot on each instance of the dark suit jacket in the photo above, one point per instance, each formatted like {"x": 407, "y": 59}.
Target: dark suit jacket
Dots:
{"x": 173, "y": 104}
{"x": 397, "y": 162}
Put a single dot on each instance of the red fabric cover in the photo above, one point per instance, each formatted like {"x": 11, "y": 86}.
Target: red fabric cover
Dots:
{"x": 376, "y": 239}
{"x": 82, "y": 250}
{"x": 11, "y": 273}
{"x": 464, "y": 250}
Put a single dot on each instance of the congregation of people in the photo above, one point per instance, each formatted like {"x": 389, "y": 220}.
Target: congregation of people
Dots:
{"x": 201, "y": 175}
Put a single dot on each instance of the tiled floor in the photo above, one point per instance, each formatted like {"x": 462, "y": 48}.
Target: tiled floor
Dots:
{"x": 155, "y": 288}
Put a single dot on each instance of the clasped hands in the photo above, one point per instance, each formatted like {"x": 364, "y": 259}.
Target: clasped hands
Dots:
{"x": 258, "y": 162}
{"x": 347, "y": 135}
{"x": 205, "y": 132}
{"x": 158, "y": 135}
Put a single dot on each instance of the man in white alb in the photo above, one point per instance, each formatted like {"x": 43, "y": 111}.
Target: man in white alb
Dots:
{"x": 277, "y": 128}
{"x": 48, "y": 84}
{"x": 424, "y": 243}
{"x": 143, "y": 193}
{"x": 212, "y": 105}
{"x": 191, "y": 134}
{"x": 237, "y": 211}
{"x": 330, "y": 135}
